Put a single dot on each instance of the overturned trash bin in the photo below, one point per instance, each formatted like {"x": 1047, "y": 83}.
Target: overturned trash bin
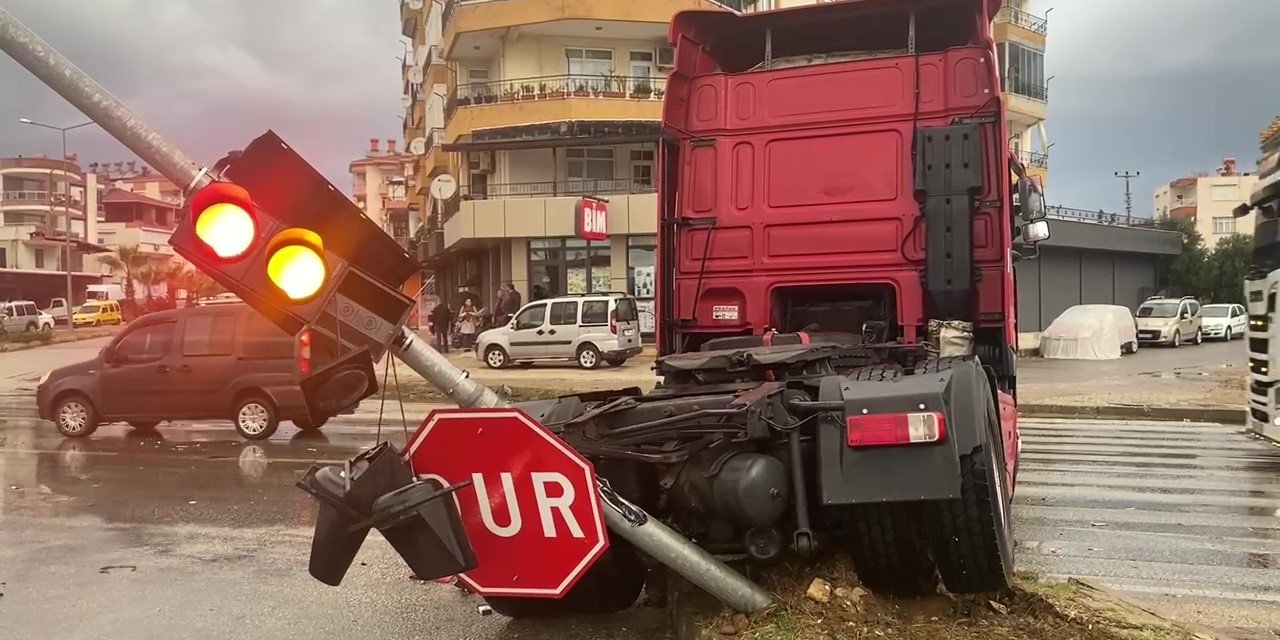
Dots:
{"x": 377, "y": 489}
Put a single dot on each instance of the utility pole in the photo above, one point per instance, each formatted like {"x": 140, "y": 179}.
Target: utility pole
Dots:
{"x": 1128, "y": 195}
{"x": 66, "y": 207}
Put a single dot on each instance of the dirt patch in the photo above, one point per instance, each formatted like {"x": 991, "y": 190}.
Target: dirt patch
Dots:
{"x": 1033, "y": 610}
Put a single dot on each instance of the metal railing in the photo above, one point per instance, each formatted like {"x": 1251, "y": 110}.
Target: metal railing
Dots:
{"x": 556, "y": 87}
{"x": 41, "y": 197}
{"x": 1034, "y": 159}
{"x": 1098, "y": 217}
{"x": 551, "y": 189}
{"x": 435, "y": 137}
{"x": 1023, "y": 88}
{"x": 1038, "y": 24}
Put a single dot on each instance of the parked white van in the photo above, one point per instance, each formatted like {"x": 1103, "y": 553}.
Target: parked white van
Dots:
{"x": 588, "y": 329}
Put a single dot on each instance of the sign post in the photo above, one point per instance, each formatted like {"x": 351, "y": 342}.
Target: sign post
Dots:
{"x": 533, "y": 513}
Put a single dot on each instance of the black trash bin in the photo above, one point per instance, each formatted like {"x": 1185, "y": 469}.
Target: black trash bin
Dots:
{"x": 335, "y": 542}
{"x": 421, "y": 522}
{"x": 373, "y": 473}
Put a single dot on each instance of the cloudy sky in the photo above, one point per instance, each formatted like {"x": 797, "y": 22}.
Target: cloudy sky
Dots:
{"x": 1164, "y": 87}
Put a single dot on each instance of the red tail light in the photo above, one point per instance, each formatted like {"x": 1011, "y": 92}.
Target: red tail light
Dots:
{"x": 613, "y": 322}
{"x": 304, "y": 351}
{"x": 887, "y": 429}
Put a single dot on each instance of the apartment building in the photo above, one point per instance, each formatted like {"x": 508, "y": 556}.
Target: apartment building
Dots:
{"x": 1208, "y": 198}
{"x": 40, "y": 198}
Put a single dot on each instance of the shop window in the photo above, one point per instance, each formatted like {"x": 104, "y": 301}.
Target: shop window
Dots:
{"x": 567, "y": 266}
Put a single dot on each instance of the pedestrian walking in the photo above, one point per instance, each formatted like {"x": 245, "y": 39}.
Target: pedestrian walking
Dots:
{"x": 468, "y": 323}
{"x": 442, "y": 324}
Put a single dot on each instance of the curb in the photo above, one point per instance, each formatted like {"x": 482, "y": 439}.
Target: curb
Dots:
{"x": 77, "y": 336}
{"x": 1224, "y": 415}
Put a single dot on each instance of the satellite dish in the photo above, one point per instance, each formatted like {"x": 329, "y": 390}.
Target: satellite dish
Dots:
{"x": 444, "y": 186}
{"x": 414, "y": 4}
{"x": 406, "y": 100}
{"x": 415, "y": 75}
{"x": 418, "y": 146}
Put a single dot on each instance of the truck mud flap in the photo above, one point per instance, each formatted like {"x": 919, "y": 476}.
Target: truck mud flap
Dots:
{"x": 852, "y": 475}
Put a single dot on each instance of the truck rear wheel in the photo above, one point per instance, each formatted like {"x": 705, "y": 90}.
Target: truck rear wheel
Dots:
{"x": 889, "y": 549}
{"x": 612, "y": 584}
{"x": 972, "y": 537}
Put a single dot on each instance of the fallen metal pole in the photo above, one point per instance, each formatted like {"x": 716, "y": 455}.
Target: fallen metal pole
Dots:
{"x": 88, "y": 96}
{"x": 646, "y": 533}
{"x": 680, "y": 555}
{"x": 432, "y": 365}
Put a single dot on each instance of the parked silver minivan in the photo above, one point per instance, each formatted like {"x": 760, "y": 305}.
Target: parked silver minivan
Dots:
{"x": 588, "y": 329}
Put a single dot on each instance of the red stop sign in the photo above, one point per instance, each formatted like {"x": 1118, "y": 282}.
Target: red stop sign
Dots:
{"x": 533, "y": 511}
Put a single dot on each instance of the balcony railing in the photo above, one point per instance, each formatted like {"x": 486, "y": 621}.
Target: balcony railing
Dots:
{"x": 435, "y": 137}
{"x": 558, "y": 87}
{"x": 551, "y": 189}
{"x": 40, "y": 197}
{"x": 1034, "y": 159}
{"x": 1099, "y": 217}
{"x": 1029, "y": 89}
{"x": 1023, "y": 19}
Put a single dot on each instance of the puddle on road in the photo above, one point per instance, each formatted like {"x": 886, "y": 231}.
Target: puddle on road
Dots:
{"x": 177, "y": 476}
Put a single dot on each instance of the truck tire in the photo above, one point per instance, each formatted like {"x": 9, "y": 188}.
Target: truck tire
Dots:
{"x": 612, "y": 584}
{"x": 890, "y": 550}
{"x": 972, "y": 536}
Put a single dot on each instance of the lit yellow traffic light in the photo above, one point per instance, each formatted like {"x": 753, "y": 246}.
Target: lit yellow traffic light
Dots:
{"x": 295, "y": 264}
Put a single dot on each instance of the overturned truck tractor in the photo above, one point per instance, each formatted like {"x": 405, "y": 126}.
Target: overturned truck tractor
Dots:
{"x": 839, "y": 217}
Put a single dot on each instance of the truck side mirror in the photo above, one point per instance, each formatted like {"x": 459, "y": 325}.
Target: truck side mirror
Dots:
{"x": 1037, "y": 231}
{"x": 1031, "y": 206}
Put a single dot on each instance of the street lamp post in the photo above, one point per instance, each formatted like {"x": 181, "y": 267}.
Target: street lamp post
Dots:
{"x": 66, "y": 206}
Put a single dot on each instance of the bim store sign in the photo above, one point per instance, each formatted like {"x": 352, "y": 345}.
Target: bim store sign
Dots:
{"x": 591, "y": 219}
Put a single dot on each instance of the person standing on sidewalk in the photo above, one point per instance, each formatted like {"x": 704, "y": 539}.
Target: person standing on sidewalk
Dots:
{"x": 468, "y": 322}
{"x": 441, "y": 324}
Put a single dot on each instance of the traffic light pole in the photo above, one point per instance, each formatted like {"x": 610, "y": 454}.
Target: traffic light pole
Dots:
{"x": 648, "y": 534}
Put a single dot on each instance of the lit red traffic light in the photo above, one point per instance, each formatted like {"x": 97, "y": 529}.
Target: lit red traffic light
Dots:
{"x": 223, "y": 221}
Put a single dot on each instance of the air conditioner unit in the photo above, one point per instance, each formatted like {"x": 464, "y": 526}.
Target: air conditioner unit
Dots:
{"x": 415, "y": 5}
{"x": 481, "y": 161}
{"x": 666, "y": 57}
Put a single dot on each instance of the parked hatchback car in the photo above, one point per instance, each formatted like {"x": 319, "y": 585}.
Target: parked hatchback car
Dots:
{"x": 588, "y": 329}
{"x": 197, "y": 363}
{"x": 1224, "y": 321}
{"x": 97, "y": 312}
{"x": 1170, "y": 321}
{"x": 22, "y": 315}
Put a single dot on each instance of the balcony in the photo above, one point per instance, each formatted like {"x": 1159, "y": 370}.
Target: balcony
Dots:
{"x": 38, "y": 199}
{"x": 1038, "y": 92}
{"x": 469, "y": 23}
{"x": 551, "y": 189}
{"x": 557, "y": 98}
{"x": 1019, "y": 18}
{"x": 1033, "y": 159}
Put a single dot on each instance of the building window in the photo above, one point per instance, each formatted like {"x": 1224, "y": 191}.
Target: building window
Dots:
{"x": 590, "y": 169}
{"x": 567, "y": 266}
{"x": 1023, "y": 70}
{"x": 642, "y": 260}
{"x": 1224, "y": 192}
{"x": 641, "y": 70}
{"x": 589, "y": 69}
{"x": 39, "y": 258}
{"x": 1224, "y": 225}
{"x": 641, "y": 169}
{"x": 478, "y": 83}
{"x": 4, "y": 258}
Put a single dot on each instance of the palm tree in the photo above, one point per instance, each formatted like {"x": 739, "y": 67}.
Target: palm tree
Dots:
{"x": 126, "y": 258}
{"x": 149, "y": 276}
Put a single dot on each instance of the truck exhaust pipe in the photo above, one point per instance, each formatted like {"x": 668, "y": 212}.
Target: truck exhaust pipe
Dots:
{"x": 626, "y": 520}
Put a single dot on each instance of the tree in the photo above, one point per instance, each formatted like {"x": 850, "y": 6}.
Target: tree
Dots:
{"x": 149, "y": 276}
{"x": 1231, "y": 259}
{"x": 129, "y": 259}
{"x": 1188, "y": 271}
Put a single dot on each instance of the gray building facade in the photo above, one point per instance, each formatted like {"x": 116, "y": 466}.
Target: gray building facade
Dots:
{"x": 1085, "y": 262}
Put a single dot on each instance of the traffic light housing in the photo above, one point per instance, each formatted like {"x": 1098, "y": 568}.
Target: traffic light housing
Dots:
{"x": 273, "y": 231}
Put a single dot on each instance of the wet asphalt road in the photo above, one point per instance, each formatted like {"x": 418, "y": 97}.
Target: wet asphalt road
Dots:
{"x": 196, "y": 533}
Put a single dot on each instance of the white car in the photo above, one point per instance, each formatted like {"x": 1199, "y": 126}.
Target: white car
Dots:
{"x": 589, "y": 329}
{"x": 1224, "y": 321}
{"x": 1090, "y": 332}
